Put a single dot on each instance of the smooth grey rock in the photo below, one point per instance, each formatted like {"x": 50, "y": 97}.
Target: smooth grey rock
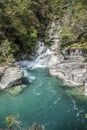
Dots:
{"x": 67, "y": 64}
{"x": 85, "y": 87}
{"x": 70, "y": 72}
{"x": 11, "y": 77}
{"x": 2, "y": 69}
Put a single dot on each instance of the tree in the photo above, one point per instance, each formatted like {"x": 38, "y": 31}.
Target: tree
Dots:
{"x": 6, "y": 50}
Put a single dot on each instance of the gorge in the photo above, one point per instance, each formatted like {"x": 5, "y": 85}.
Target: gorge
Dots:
{"x": 46, "y": 100}
{"x": 43, "y": 64}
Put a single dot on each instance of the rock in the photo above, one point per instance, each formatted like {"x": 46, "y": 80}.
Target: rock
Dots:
{"x": 55, "y": 59}
{"x": 2, "y": 69}
{"x": 85, "y": 87}
{"x": 36, "y": 126}
{"x": 67, "y": 64}
{"x": 16, "y": 90}
{"x": 70, "y": 72}
{"x": 73, "y": 54}
{"x": 11, "y": 77}
{"x": 40, "y": 48}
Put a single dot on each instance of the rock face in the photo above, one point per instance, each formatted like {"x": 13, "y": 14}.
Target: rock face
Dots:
{"x": 70, "y": 71}
{"x": 85, "y": 87}
{"x": 2, "y": 69}
{"x": 11, "y": 77}
{"x": 68, "y": 65}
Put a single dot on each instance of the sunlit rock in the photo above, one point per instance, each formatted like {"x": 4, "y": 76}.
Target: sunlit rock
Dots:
{"x": 85, "y": 87}
{"x": 2, "y": 69}
{"x": 12, "y": 76}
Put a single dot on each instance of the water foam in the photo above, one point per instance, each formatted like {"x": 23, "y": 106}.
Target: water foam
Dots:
{"x": 29, "y": 76}
{"x": 41, "y": 59}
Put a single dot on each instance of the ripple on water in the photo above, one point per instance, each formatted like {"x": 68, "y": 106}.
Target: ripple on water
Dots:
{"x": 78, "y": 113}
{"x": 74, "y": 104}
{"x": 57, "y": 100}
{"x": 50, "y": 89}
{"x": 36, "y": 90}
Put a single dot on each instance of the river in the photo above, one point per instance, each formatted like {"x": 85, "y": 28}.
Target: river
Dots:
{"x": 45, "y": 101}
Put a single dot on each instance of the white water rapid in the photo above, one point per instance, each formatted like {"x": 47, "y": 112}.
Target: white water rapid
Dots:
{"x": 45, "y": 57}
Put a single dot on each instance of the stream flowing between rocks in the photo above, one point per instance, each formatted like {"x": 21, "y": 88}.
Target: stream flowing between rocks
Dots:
{"x": 45, "y": 101}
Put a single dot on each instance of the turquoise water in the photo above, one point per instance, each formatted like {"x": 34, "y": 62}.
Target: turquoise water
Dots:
{"x": 45, "y": 101}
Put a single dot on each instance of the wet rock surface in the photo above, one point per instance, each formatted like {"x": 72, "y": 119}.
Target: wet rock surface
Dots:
{"x": 2, "y": 69}
{"x": 11, "y": 77}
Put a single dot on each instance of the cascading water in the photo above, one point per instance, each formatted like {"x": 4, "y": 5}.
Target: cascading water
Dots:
{"x": 42, "y": 58}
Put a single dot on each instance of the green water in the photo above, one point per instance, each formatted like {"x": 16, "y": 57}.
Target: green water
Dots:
{"x": 45, "y": 101}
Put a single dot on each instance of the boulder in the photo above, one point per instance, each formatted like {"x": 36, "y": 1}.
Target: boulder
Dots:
{"x": 11, "y": 77}
{"x": 36, "y": 126}
{"x": 2, "y": 69}
{"x": 16, "y": 90}
{"x": 70, "y": 72}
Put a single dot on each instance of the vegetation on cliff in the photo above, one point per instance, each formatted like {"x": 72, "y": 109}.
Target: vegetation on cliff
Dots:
{"x": 74, "y": 25}
{"x": 22, "y": 22}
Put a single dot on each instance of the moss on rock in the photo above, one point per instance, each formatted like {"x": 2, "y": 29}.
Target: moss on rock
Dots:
{"x": 16, "y": 90}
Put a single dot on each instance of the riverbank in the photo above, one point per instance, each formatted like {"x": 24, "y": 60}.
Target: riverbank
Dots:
{"x": 11, "y": 78}
{"x": 67, "y": 64}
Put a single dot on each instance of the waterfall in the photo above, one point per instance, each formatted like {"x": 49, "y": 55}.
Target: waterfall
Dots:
{"x": 43, "y": 55}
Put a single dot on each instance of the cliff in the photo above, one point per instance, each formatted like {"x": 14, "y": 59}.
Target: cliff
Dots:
{"x": 68, "y": 64}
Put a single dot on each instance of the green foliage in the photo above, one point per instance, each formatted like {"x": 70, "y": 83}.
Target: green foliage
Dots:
{"x": 74, "y": 25}
{"x": 6, "y": 50}
{"x": 22, "y": 22}
{"x": 67, "y": 36}
{"x": 10, "y": 121}
{"x": 78, "y": 45}
{"x": 18, "y": 24}
{"x": 86, "y": 115}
